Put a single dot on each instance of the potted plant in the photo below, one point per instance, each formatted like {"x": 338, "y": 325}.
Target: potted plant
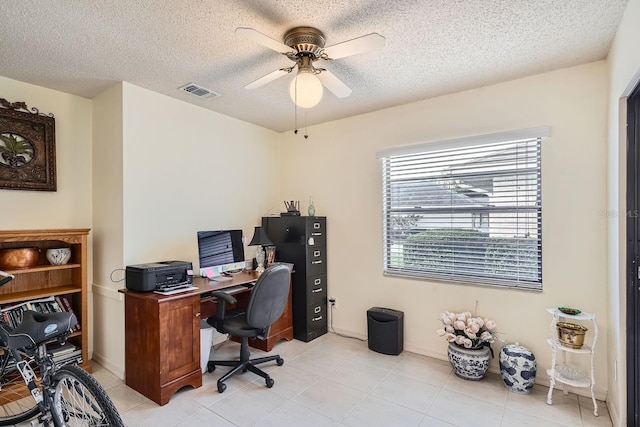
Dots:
{"x": 470, "y": 339}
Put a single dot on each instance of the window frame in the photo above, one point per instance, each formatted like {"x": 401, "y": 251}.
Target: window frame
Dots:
{"x": 537, "y": 134}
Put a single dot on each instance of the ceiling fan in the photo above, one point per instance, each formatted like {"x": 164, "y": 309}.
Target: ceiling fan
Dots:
{"x": 304, "y": 46}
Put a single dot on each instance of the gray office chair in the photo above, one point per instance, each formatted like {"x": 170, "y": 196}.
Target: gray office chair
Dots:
{"x": 267, "y": 301}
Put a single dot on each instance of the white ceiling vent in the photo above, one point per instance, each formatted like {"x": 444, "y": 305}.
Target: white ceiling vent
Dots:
{"x": 199, "y": 91}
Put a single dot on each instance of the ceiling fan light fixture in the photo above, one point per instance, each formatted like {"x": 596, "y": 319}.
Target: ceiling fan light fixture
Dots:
{"x": 305, "y": 90}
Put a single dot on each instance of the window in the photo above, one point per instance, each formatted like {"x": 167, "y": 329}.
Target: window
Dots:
{"x": 466, "y": 210}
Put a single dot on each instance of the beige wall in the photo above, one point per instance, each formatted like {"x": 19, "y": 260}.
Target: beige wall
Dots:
{"x": 164, "y": 170}
{"x": 108, "y": 234}
{"x": 624, "y": 74}
{"x": 188, "y": 169}
{"x": 337, "y": 165}
{"x": 70, "y": 205}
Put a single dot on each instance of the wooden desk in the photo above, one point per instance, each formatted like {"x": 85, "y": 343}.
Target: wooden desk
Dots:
{"x": 162, "y": 335}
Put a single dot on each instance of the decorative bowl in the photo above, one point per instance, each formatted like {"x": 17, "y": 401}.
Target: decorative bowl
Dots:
{"x": 58, "y": 256}
{"x": 569, "y": 310}
{"x": 17, "y": 258}
{"x": 571, "y": 335}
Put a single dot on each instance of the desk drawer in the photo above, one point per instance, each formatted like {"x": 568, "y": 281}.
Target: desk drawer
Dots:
{"x": 209, "y": 304}
{"x": 208, "y": 307}
{"x": 316, "y": 289}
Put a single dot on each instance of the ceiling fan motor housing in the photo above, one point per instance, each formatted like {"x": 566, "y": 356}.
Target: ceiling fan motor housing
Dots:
{"x": 305, "y": 40}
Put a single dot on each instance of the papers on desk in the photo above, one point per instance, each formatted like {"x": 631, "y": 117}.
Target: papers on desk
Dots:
{"x": 175, "y": 291}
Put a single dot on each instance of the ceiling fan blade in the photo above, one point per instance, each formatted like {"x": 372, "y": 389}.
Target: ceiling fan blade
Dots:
{"x": 258, "y": 37}
{"x": 268, "y": 78}
{"x": 366, "y": 43}
{"x": 334, "y": 84}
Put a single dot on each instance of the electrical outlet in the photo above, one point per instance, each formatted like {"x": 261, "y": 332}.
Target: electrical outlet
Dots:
{"x": 332, "y": 302}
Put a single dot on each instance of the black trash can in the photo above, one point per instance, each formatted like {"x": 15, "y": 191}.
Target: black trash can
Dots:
{"x": 385, "y": 328}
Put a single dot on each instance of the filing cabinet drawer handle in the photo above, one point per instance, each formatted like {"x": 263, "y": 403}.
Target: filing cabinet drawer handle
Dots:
{"x": 317, "y": 309}
{"x": 316, "y": 225}
{"x": 317, "y": 281}
{"x": 316, "y": 253}
{"x": 316, "y": 262}
{"x": 315, "y": 319}
{"x": 315, "y": 291}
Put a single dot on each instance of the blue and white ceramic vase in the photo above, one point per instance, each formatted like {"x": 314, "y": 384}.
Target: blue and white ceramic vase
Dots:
{"x": 517, "y": 368}
{"x": 467, "y": 363}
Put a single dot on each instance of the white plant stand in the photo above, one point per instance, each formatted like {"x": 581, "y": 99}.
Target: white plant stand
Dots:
{"x": 564, "y": 373}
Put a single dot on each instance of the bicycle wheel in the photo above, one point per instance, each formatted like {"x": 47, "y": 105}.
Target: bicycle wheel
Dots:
{"x": 79, "y": 400}
{"x": 16, "y": 403}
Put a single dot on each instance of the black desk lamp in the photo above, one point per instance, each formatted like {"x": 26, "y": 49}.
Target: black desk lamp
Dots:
{"x": 260, "y": 239}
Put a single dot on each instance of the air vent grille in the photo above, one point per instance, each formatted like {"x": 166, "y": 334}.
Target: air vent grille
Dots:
{"x": 199, "y": 91}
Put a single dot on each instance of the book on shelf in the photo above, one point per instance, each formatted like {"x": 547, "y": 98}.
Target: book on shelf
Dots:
{"x": 65, "y": 353}
{"x": 12, "y": 314}
{"x": 65, "y": 304}
{"x": 26, "y": 303}
{"x": 58, "y": 350}
{"x": 64, "y": 357}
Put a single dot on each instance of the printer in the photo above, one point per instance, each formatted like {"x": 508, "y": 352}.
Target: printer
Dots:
{"x": 159, "y": 276}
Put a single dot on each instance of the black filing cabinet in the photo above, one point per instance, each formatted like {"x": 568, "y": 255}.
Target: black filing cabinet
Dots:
{"x": 302, "y": 240}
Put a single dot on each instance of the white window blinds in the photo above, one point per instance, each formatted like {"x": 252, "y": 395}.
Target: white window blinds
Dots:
{"x": 466, "y": 211}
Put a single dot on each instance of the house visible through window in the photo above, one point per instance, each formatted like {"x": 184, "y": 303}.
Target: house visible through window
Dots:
{"x": 467, "y": 211}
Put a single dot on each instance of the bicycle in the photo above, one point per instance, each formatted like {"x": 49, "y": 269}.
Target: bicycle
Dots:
{"x": 63, "y": 395}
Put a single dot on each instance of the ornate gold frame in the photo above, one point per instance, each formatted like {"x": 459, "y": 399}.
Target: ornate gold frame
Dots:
{"x": 27, "y": 148}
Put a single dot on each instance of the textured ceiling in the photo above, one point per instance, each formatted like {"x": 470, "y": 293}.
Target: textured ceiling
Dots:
{"x": 433, "y": 47}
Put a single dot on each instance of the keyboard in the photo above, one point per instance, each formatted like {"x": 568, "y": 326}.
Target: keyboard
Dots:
{"x": 233, "y": 289}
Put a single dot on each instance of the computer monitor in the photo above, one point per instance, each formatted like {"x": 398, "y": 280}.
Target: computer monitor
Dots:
{"x": 220, "y": 252}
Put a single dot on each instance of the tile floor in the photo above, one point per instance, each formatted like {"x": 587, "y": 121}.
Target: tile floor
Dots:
{"x": 337, "y": 381}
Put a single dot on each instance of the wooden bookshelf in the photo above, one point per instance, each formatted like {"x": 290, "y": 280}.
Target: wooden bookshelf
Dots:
{"x": 46, "y": 280}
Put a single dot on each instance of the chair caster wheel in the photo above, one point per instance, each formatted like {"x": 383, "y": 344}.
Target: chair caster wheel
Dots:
{"x": 221, "y": 387}
{"x": 280, "y": 361}
{"x": 211, "y": 367}
{"x": 269, "y": 382}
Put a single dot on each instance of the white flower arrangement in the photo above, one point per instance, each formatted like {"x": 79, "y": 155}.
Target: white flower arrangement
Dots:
{"x": 466, "y": 330}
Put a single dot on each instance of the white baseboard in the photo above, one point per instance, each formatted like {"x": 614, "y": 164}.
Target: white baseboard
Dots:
{"x": 614, "y": 415}
{"x": 109, "y": 365}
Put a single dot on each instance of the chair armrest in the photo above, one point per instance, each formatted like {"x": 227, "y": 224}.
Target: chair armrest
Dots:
{"x": 224, "y": 296}
{"x": 223, "y": 299}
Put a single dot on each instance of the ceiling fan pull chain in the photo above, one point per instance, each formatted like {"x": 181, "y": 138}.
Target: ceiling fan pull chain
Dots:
{"x": 306, "y": 135}
{"x": 295, "y": 112}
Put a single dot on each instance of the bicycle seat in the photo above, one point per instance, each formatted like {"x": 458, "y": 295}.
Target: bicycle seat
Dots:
{"x": 36, "y": 328}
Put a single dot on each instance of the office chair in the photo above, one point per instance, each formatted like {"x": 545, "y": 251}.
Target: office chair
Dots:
{"x": 267, "y": 301}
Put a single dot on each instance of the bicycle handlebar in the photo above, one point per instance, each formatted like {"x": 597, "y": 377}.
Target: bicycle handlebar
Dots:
{"x": 6, "y": 278}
